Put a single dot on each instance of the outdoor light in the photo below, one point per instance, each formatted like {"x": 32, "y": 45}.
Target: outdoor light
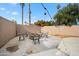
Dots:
{"x": 44, "y": 13}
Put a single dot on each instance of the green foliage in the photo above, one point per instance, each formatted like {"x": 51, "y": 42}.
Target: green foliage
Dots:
{"x": 43, "y": 23}
{"x": 67, "y": 15}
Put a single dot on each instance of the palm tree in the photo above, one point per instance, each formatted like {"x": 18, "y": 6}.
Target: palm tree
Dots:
{"x": 22, "y": 5}
{"x": 29, "y": 10}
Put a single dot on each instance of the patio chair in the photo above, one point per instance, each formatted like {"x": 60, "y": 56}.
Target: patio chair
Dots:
{"x": 34, "y": 37}
{"x": 44, "y": 35}
{"x": 21, "y": 37}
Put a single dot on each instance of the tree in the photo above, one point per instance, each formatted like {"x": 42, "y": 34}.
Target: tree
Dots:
{"x": 43, "y": 23}
{"x": 22, "y": 5}
{"x": 67, "y": 15}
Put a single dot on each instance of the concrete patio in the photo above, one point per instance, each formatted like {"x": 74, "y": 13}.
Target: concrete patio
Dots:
{"x": 24, "y": 47}
{"x": 51, "y": 46}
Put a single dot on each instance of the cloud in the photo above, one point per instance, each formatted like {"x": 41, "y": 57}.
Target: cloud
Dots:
{"x": 34, "y": 17}
{"x": 13, "y": 3}
{"x": 14, "y": 13}
{"x": 2, "y": 9}
{"x": 7, "y": 12}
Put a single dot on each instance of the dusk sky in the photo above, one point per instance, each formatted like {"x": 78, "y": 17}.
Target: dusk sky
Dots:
{"x": 13, "y": 11}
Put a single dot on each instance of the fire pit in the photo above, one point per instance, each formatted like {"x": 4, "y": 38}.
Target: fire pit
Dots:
{"x": 12, "y": 48}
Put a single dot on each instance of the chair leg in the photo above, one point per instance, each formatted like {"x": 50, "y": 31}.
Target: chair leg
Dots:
{"x": 23, "y": 37}
{"x": 20, "y": 38}
{"x": 38, "y": 41}
{"x": 34, "y": 41}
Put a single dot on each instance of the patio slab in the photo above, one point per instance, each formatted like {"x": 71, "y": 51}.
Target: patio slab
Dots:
{"x": 25, "y": 47}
